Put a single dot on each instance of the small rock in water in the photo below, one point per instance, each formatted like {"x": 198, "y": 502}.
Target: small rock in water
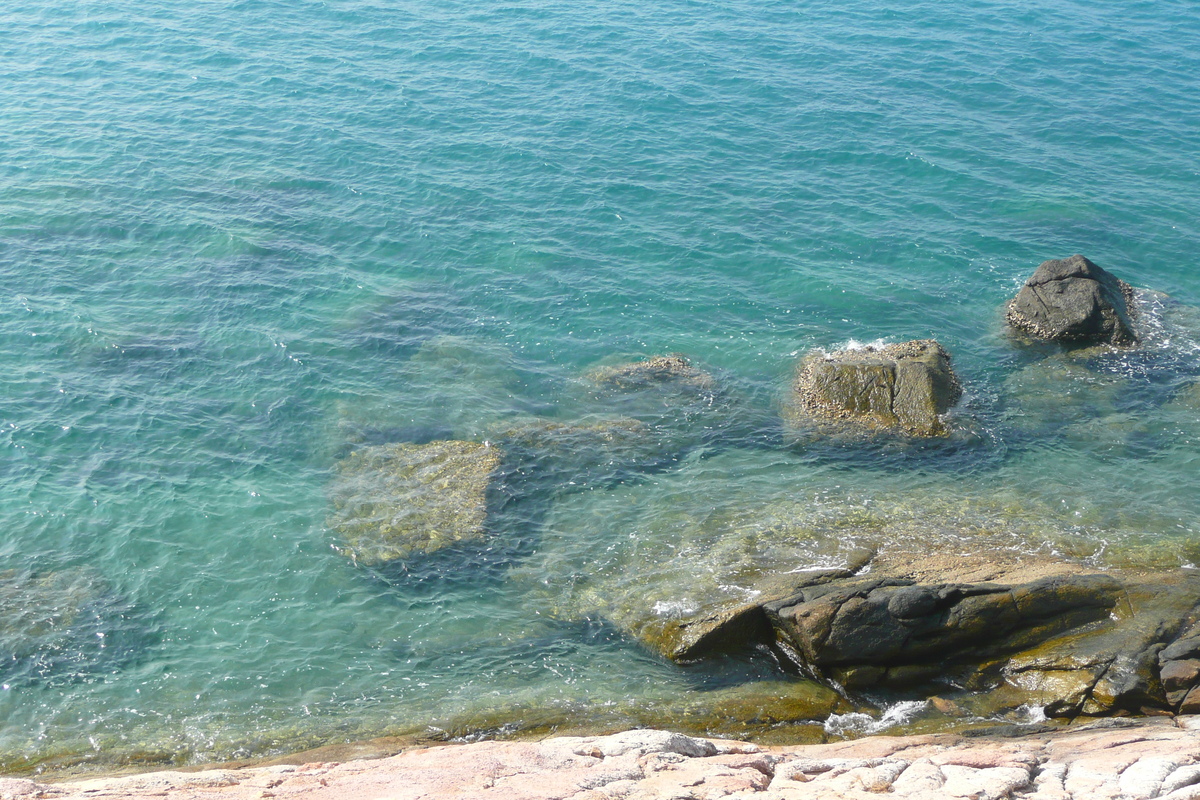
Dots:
{"x": 393, "y": 501}
{"x": 1072, "y": 300}
{"x": 685, "y": 405}
{"x": 905, "y": 386}
{"x": 673, "y": 369}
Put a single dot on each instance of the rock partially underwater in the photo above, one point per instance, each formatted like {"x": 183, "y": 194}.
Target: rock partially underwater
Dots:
{"x": 393, "y": 501}
{"x": 674, "y": 370}
{"x": 65, "y": 625}
{"x": 1071, "y": 642}
{"x": 916, "y": 593}
{"x": 1074, "y": 301}
{"x": 653, "y": 558}
{"x": 685, "y": 405}
{"x": 568, "y": 455}
{"x": 397, "y": 501}
{"x": 904, "y": 387}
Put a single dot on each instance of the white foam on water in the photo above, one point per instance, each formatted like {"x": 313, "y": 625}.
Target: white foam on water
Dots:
{"x": 675, "y": 609}
{"x": 855, "y": 344}
{"x": 857, "y": 722}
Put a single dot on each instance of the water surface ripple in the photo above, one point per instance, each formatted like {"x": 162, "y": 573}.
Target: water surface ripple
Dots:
{"x": 239, "y": 238}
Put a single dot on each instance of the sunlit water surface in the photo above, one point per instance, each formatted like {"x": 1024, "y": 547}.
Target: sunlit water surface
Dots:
{"x": 240, "y": 239}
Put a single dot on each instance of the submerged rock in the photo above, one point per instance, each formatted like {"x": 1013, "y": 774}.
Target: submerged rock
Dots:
{"x": 679, "y": 560}
{"x": 393, "y": 501}
{"x": 684, "y": 405}
{"x": 561, "y": 455}
{"x": 1074, "y": 301}
{"x": 1039, "y": 634}
{"x": 452, "y": 387}
{"x": 1058, "y": 391}
{"x": 1187, "y": 398}
{"x": 671, "y": 369}
{"x": 905, "y": 387}
{"x": 63, "y": 624}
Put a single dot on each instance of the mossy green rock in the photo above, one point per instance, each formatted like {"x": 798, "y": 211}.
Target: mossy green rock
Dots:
{"x": 904, "y": 387}
{"x": 789, "y": 709}
{"x": 1112, "y": 665}
{"x": 398, "y": 500}
{"x": 757, "y": 704}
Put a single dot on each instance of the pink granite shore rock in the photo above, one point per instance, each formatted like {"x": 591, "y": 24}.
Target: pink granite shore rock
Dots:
{"x": 1111, "y": 760}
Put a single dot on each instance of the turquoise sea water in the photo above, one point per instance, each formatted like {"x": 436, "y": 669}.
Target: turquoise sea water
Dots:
{"x": 239, "y": 239}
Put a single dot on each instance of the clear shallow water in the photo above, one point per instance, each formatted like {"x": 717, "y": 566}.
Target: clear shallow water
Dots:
{"x": 234, "y": 236}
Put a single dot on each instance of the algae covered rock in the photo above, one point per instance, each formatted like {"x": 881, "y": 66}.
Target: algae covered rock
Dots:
{"x": 1114, "y": 665}
{"x": 1072, "y": 300}
{"x": 752, "y": 707}
{"x": 397, "y": 500}
{"x": 904, "y": 387}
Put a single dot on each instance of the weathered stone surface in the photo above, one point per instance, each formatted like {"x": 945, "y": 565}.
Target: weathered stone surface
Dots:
{"x": 1073, "y": 300}
{"x": 1179, "y": 670}
{"x": 905, "y": 387}
{"x": 669, "y": 369}
{"x": 729, "y": 627}
{"x": 720, "y": 631}
{"x": 1150, "y": 759}
{"x": 891, "y": 622}
{"x": 1110, "y": 666}
{"x": 393, "y": 501}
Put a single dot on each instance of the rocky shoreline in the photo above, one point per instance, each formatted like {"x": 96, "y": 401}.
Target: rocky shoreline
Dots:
{"x": 1106, "y": 760}
{"x": 992, "y": 619}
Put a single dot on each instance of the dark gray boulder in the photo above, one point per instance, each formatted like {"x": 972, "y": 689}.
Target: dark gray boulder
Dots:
{"x": 895, "y": 622}
{"x": 905, "y": 387}
{"x": 1072, "y": 300}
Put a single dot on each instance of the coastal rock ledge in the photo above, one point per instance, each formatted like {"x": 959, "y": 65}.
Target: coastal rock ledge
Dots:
{"x": 1153, "y": 758}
